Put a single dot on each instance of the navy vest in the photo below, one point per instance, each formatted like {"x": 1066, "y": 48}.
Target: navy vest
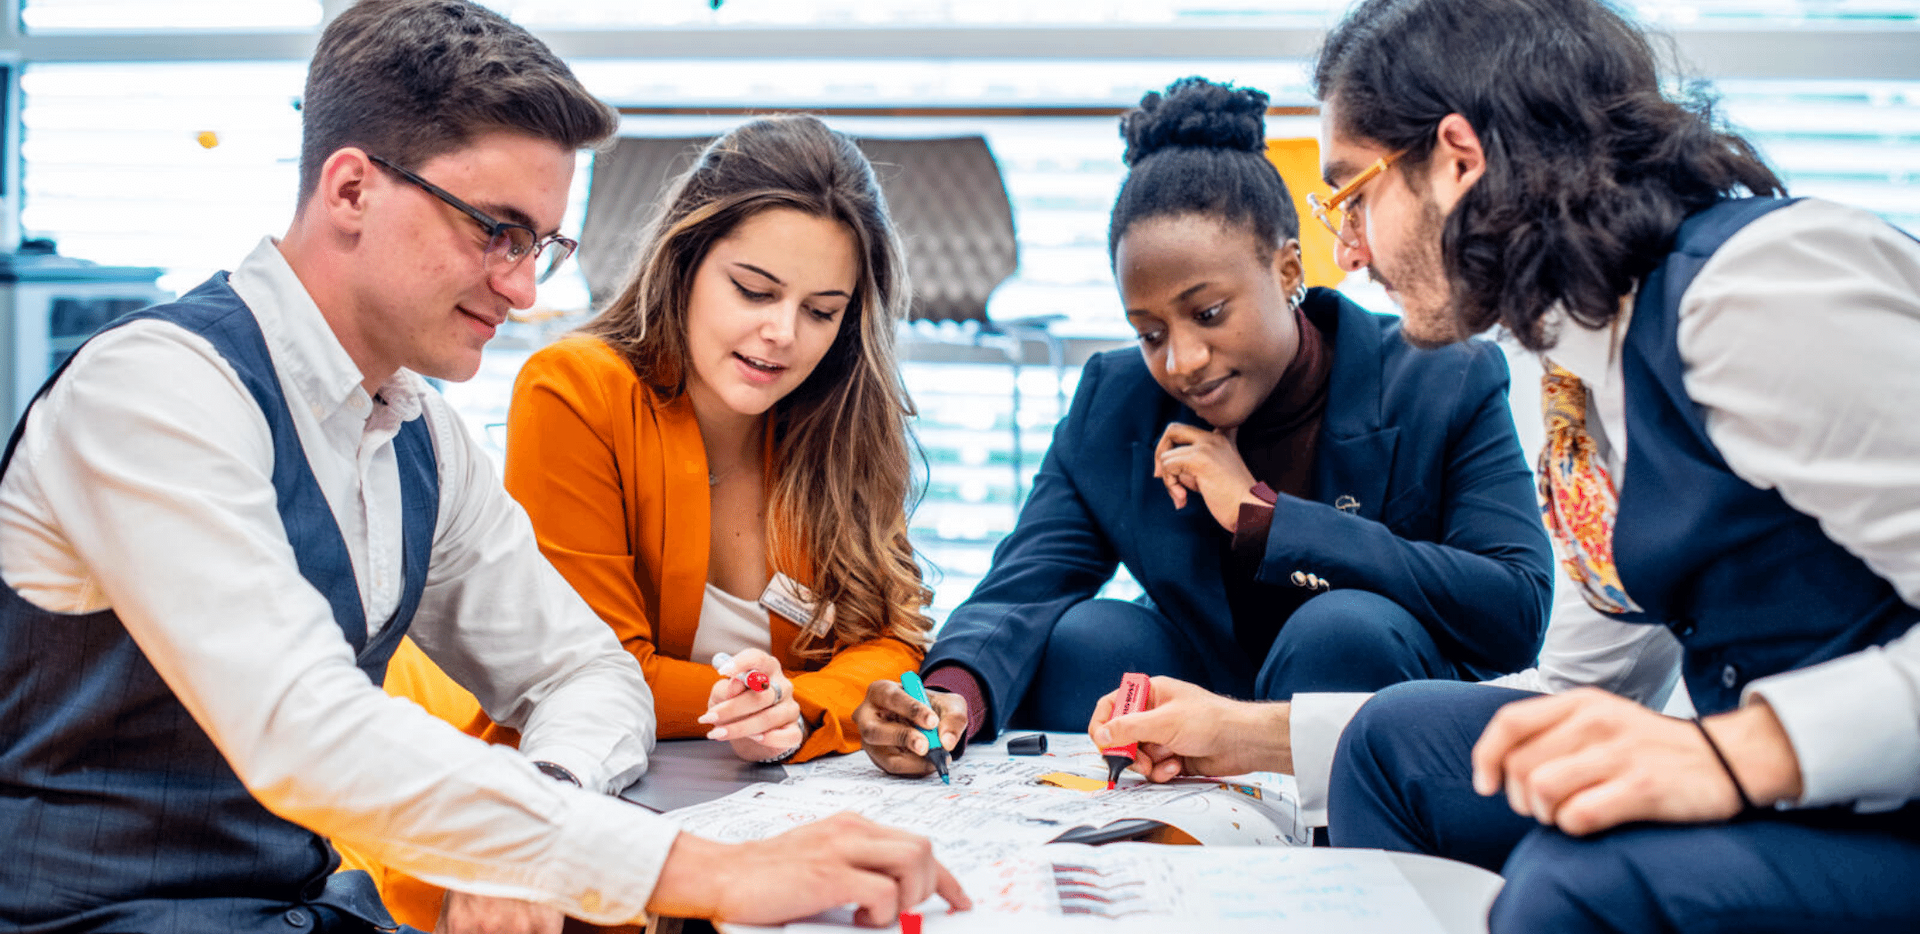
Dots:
{"x": 1749, "y": 585}
{"x": 116, "y": 811}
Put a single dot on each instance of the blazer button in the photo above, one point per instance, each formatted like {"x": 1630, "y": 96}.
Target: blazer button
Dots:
{"x": 1729, "y": 676}
{"x": 297, "y": 918}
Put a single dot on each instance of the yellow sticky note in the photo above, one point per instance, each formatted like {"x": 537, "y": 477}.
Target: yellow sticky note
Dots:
{"x": 1073, "y": 782}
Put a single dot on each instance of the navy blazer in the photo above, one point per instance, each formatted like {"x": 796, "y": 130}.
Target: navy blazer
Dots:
{"x": 1447, "y": 524}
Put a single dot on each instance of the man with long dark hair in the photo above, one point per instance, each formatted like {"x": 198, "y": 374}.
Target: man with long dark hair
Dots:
{"x": 1731, "y": 454}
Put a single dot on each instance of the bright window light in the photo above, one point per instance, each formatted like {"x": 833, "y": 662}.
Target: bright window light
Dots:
{"x": 168, "y": 15}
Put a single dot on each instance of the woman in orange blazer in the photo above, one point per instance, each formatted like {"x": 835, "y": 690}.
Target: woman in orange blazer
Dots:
{"x": 733, "y": 422}
{"x": 731, "y": 430}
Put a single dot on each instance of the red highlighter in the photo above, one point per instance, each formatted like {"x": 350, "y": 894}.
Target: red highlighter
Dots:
{"x": 1136, "y": 692}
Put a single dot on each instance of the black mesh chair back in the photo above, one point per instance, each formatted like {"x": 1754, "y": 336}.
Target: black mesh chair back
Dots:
{"x": 951, "y": 208}
{"x": 945, "y": 195}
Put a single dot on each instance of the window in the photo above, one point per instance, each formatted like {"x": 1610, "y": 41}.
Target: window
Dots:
{"x": 185, "y": 164}
{"x": 50, "y": 16}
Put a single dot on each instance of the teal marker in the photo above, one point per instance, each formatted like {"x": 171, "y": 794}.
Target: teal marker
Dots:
{"x": 936, "y": 753}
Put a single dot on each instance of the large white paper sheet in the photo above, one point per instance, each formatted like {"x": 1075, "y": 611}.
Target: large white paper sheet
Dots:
{"x": 1150, "y": 889}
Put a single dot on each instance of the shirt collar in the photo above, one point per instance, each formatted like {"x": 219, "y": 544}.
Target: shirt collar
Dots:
{"x": 310, "y": 358}
{"x": 1591, "y": 354}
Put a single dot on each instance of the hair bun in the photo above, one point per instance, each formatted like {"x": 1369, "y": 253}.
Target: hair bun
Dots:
{"x": 1195, "y": 112}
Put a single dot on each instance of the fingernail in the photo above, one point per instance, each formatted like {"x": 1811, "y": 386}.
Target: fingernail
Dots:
{"x": 918, "y": 744}
{"x": 704, "y": 718}
{"x": 1102, "y": 737}
{"x": 929, "y": 721}
{"x": 719, "y": 732}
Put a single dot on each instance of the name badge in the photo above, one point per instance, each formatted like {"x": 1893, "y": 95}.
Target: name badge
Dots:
{"x": 792, "y": 599}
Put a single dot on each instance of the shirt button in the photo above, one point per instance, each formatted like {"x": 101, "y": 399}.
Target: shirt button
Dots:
{"x": 1729, "y": 676}
{"x": 297, "y": 918}
{"x": 1683, "y": 627}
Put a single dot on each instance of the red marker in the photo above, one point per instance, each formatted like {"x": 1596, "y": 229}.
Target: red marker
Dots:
{"x": 1136, "y": 693}
{"x": 909, "y": 922}
{"x": 754, "y": 680}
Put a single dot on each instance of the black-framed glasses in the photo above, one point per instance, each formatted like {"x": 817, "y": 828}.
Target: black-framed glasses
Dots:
{"x": 508, "y": 244}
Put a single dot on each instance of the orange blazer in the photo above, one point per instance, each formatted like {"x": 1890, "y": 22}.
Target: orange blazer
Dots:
{"x": 615, "y": 481}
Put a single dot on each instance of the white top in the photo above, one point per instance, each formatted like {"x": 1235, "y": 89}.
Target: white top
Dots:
{"x": 1799, "y": 339}
{"x": 143, "y": 483}
{"x": 731, "y": 625}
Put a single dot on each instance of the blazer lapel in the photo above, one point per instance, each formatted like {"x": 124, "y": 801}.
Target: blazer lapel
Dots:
{"x": 1179, "y": 549}
{"x": 1355, "y": 461}
{"x": 782, "y": 632}
{"x": 688, "y": 514}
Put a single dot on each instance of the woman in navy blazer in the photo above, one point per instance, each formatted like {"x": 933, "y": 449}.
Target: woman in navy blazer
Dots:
{"x": 1309, "y": 502}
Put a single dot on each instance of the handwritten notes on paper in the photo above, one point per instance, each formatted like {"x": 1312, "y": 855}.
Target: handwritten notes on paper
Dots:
{"x": 966, "y": 829}
{"x": 987, "y": 778}
{"x": 991, "y": 825}
{"x": 1151, "y": 889}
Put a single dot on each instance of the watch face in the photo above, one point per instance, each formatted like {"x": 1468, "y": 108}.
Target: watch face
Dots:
{"x": 557, "y": 773}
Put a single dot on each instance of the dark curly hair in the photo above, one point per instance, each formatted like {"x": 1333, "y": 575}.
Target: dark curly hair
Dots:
{"x": 1200, "y": 148}
{"x": 1590, "y": 167}
{"x": 413, "y": 79}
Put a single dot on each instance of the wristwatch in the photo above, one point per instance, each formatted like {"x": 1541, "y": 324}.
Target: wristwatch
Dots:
{"x": 558, "y": 773}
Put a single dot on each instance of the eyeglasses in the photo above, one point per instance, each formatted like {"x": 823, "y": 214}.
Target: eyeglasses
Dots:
{"x": 508, "y": 245}
{"x": 1333, "y": 213}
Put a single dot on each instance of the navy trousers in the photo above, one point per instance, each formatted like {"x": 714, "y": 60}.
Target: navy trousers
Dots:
{"x": 1402, "y": 781}
{"x": 1344, "y": 640}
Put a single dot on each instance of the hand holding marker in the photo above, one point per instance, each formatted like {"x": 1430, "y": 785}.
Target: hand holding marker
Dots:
{"x": 936, "y": 753}
{"x": 1135, "y": 694}
{"x": 753, "y": 680}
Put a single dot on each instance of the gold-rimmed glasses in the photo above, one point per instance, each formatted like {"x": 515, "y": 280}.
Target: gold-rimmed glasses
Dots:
{"x": 1333, "y": 212}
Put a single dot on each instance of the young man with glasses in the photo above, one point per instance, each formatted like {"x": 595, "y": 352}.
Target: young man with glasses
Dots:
{"x": 1731, "y": 456}
{"x": 218, "y": 520}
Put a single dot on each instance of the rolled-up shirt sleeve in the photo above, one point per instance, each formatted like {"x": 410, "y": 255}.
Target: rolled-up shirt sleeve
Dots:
{"x": 502, "y": 622}
{"x": 1314, "y": 725}
{"x": 1853, "y": 726}
{"x": 1808, "y": 382}
{"x": 1583, "y": 648}
{"x": 181, "y": 536}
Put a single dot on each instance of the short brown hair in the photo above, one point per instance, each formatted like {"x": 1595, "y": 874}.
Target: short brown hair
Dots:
{"x": 414, "y": 79}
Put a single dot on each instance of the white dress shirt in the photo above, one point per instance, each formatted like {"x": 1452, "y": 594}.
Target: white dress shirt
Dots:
{"x": 1800, "y": 340}
{"x": 143, "y": 484}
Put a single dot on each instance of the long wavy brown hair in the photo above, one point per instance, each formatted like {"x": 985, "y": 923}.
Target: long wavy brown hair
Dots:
{"x": 841, "y": 468}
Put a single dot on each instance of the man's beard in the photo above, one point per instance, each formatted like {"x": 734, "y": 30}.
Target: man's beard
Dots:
{"x": 1429, "y": 317}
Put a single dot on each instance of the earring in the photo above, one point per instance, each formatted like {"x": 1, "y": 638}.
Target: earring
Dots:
{"x": 1299, "y": 295}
